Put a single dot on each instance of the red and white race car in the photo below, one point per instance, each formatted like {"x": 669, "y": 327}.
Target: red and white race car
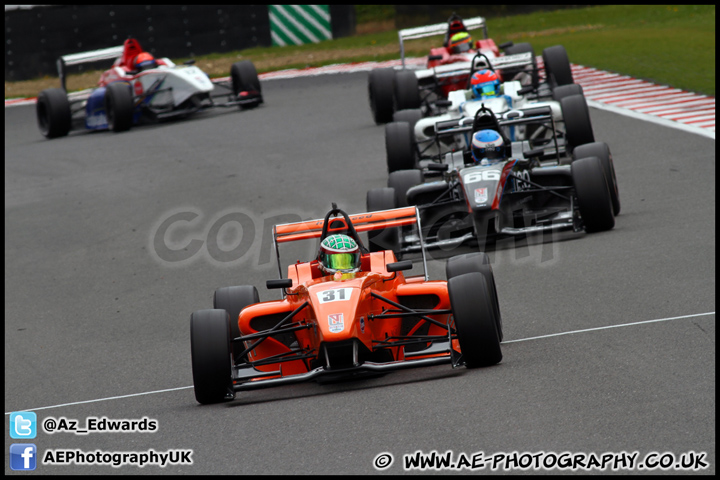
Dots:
{"x": 139, "y": 86}
{"x": 448, "y": 68}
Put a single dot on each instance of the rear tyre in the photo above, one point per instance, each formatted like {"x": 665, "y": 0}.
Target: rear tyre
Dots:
{"x": 244, "y": 78}
{"x": 401, "y": 181}
{"x": 119, "y": 106}
{"x": 602, "y": 151}
{"x": 380, "y": 94}
{"x": 474, "y": 320}
{"x": 477, "y": 262}
{"x": 593, "y": 195}
{"x": 233, "y": 300}
{"x": 399, "y": 146}
{"x": 389, "y": 239}
{"x": 211, "y": 356}
{"x": 406, "y": 90}
{"x": 557, "y": 66}
{"x": 576, "y": 117}
{"x": 53, "y": 113}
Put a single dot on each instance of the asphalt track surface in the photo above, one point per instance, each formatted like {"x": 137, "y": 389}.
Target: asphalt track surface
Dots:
{"x": 93, "y": 311}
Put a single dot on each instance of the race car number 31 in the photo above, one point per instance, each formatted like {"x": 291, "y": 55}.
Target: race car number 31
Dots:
{"x": 334, "y": 295}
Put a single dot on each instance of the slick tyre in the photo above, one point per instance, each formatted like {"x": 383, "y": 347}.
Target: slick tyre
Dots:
{"x": 233, "y": 300}
{"x": 566, "y": 90}
{"x": 53, "y": 113}
{"x": 389, "y": 239}
{"x": 380, "y": 94}
{"x": 593, "y": 194}
{"x": 119, "y": 106}
{"x": 401, "y": 181}
{"x": 474, "y": 320}
{"x": 557, "y": 66}
{"x": 576, "y": 116}
{"x": 211, "y": 356}
{"x": 602, "y": 151}
{"x": 477, "y": 262}
{"x": 406, "y": 90}
{"x": 244, "y": 78}
{"x": 399, "y": 146}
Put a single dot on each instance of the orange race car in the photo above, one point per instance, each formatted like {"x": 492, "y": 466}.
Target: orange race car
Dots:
{"x": 348, "y": 312}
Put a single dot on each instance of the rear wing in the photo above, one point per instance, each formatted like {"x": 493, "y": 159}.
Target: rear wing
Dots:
{"x": 513, "y": 61}
{"x": 436, "y": 29}
{"x": 85, "y": 57}
{"x": 361, "y": 222}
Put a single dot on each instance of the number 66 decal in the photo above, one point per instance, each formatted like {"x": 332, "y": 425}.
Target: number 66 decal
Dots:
{"x": 483, "y": 175}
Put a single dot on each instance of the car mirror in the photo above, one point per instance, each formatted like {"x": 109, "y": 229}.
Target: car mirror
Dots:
{"x": 443, "y": 103}
{"x": 435, "y": 57}
{"x": 399, "y": 266}
{"x": 189, "y": 62}
{"x": 525, "y": 90}
{"x": 437, "y": 167}
{"x": 280, "y": 283}
{"x": 505, "y": 45}
{"x": 534, "y": 153}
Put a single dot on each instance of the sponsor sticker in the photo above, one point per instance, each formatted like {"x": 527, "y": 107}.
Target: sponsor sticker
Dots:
{"x": 336, "y": 322}
{"x": 138, "y": 87}
{"x": 481, "y": 195}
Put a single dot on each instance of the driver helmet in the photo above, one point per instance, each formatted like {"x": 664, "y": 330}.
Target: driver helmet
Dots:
{"x": 339, "y": 253}
{"x": 460, "y": 42}
{"x": 485, "y": 83}
{"x": 487, "y": 144}
{"x": 144, "y": 61}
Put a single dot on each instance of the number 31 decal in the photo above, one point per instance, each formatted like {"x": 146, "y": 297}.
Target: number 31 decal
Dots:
{"x": 335, "y": 295}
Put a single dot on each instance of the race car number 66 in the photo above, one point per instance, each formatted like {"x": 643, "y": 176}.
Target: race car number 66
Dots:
{"x": 334, "y": 295}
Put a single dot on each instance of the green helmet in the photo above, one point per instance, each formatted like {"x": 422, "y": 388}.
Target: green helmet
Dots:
{"x": 339, "y": 253}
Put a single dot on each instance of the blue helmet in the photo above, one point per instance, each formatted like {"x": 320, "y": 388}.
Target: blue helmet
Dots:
{"x": 487, "y": 144}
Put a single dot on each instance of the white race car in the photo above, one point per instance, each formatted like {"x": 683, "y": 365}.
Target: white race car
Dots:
{"x": 139, "y": 87}
{"x": 412, "y": 137}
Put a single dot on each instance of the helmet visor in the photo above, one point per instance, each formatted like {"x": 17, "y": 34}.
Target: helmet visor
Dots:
{"x": 486, "y": 90}
{"x": 342, "y": 261}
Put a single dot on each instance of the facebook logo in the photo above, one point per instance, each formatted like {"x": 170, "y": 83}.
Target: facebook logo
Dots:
{"x": 23, "y": 425}
{"x": 23, "y": 456}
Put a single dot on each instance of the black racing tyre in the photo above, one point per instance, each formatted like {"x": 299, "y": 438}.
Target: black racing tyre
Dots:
{"x": 401, "y": 181}
{"x": 211, "y": 356}
{"x": 244, "y": 78}
{"x": 475, "y": 321}
{"x": 476, "y": 262}
{"x": 53, "y": 113}
{"x": 525, "y": 47}
{"x": 399, "y": 146}
{"x": 576, "y": 117}
{"x": 409, "y": 115}
{"x": 557, "y": 66}
{"x": 233, "y": 300}
{"x": 380, "y": 93}
{"x": 389, "y": 239}
{"x": 593, "y": 194}
{"x": 566, "y": 90}
{"x": 406, "y": 90}
{"x": 602, "y": 151}
{"x": 119, "y": 106}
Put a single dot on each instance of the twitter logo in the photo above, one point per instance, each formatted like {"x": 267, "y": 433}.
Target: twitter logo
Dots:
{"x": 23, "y": 425}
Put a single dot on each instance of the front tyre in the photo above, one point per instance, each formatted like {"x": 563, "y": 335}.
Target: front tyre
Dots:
{"x": 593, "y": 194}
{"x": 474, "y": 320}
{"x": 233, "y": 300}
{"x": 119, "y": 106}
{"x": 399, "y": 146}
{"x": 211, "y": 356}
{"x": 380, "y": 94}
{"x": 602, "y": 151}
{"x": 246, "y": 84}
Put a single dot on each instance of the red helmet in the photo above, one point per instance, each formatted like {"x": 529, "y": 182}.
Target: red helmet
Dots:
{"x": 485, "y": 83}
{"x": 144, "y": 61}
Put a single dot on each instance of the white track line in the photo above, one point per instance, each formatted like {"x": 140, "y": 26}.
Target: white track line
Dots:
{"x": 507, "y": 341}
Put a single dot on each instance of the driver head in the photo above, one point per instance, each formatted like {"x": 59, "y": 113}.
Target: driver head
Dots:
{"x": 339, "y": 253}
{"x": 485, "y": 83}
